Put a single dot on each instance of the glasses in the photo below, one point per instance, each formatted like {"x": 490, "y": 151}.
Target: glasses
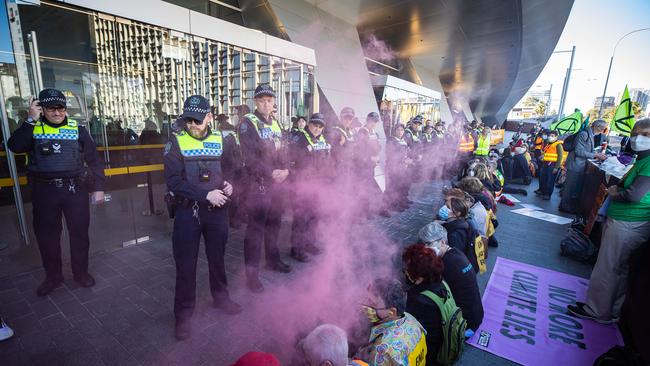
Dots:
{"x": 194, "y": 121}
{"x": 55, "y": 109}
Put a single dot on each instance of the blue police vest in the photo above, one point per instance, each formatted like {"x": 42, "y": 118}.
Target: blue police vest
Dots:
{"x": 56, "y": 149}
{"x": 202, "y": 159}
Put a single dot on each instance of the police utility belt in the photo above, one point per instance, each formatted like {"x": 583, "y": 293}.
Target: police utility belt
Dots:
{"x": 71, "y": 183}
{"x": 173, "y": 202}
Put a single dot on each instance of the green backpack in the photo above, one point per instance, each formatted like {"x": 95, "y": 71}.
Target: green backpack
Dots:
{"x": 453, "y": 327}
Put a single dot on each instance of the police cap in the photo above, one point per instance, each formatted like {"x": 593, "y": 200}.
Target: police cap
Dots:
{"x": 196, "y": 107}
{"x": 372, "y": 116}
{"x": 317, "y": 118}
{"x": 264, "y": 90}
{"x": 347, "y": 112}
{"x": 50, "y": 98}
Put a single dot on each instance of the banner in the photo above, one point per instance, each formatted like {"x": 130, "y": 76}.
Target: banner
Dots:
{"x": 569, "y": 124}
{"x": 623, "y": 120}
{"x": 526, "y": 321}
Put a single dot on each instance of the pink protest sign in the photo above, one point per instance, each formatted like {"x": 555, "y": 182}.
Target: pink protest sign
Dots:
{"x": 526, "y": 321}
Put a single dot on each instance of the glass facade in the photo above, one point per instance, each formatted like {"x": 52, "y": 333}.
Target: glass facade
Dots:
{"x": 126, "y": 82}
{"x": 399, "y": 106}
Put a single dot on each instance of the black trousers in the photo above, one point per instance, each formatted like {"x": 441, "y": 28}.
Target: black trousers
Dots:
{"x": 304, "y": 224}
{"x": 213, "y": 226}
{"x": 50, "y": 204}
{"x": 264, "y": 220}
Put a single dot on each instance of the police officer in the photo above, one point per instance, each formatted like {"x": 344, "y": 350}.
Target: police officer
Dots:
{"x": 195, "y": 176}
{"x": 341, "y": 137}
{"x": 59, "y": 150}
{"x": 367, "y": 158}
{"x": 260, "y": 137}
{"x": 483, "y": 144}
{"x": 412, "y": 133}
{"x": 310, "y": 168}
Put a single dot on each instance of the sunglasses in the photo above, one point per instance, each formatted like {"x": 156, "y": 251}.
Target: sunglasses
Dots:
{"x": 194, "y": 121}
{"x": 59, "y": 109}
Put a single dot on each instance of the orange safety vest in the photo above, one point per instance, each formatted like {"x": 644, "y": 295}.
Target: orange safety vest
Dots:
{"x": 539, "y": 142}
{"x": 466, "y": 143}
{"x": 550, "y": 153}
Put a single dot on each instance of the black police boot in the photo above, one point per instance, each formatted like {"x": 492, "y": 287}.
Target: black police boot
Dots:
{"x": 312, "y": 249}
{"x": 183, "y": 329}
{"x": 279, "y": 266}
{"x": 85, "y": 280}
{"x": 49, "y": 285}
{"x": 228, "y": 306}
{"x": 299, "y": 255}
{"x": 254, "y": 285}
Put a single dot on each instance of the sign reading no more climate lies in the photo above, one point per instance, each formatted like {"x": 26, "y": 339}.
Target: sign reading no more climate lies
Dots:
{"x": 526, "y": 319}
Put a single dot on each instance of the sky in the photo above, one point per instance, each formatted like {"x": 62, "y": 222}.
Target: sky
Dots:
{"x": 594, "y": 26}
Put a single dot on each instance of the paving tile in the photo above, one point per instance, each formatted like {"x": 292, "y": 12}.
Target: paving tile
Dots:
{"x": 83, "y": 358}
{"x": 15, "y": 309}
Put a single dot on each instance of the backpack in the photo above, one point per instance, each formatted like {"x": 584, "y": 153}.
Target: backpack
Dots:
{"x": 476, "y": 250}
{"x": 569, "y": 143}
{"x": 453, "y": 327}
{"x": 576, "y": 245}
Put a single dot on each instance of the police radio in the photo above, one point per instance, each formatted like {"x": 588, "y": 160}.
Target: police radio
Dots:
{"x": 204, "y": 172}
{"x": 45, "y": 147}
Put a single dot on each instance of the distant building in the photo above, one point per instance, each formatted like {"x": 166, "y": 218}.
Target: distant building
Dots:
{"x": 608, "y": 103}
{"x": 642, "y": 96}
{"x": 520, "y": 111}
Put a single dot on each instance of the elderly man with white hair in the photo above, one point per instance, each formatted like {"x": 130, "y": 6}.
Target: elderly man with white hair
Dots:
{"x": 327, "y": 345}
{"x": 458, "y": 273}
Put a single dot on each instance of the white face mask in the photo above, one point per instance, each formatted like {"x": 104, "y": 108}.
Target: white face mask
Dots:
{"x": 436, "y": 246}
{"x": 640, "y": 143}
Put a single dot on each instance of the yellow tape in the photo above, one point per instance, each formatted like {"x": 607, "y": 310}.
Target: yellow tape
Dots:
{"x": 8, "y": 182}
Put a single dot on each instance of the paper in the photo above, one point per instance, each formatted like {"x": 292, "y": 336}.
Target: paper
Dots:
{"x": 532, "y": 207}
{"x": 543, "y": 216}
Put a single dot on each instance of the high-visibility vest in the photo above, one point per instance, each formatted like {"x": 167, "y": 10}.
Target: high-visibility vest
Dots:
{"x": 539, "y": 143}
{"x": 271, "y": 133}
{"x": 320, "y": 144}
{"x": 483, "y": 148}
{"x": 349, "y": 137}
{"x": 466, "y": 143}
{"x": 202, "y": 159}
{"x": 64, "y": 155}
{"x": 550, "y": 152}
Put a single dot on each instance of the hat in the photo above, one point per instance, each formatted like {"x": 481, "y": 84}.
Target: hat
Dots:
{"x": 432, "y": 232}
{"x": 52, "y": 98}
{"x": 373, "y": 116}
{"x": 196, "y": 107}
{"x": 317, "y": 118}
{"x": 347, "y": 112}
{"x": 257, "y": 359}
{"x": 264, "y": 90}
{"x": 417, "y": 119}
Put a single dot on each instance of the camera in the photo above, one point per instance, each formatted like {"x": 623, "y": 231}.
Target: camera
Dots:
{"x": 204, "y": 175}
{"x": 45, "y": 147}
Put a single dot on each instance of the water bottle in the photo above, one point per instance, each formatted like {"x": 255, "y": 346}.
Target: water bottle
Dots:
{"x": 633, "y": 160}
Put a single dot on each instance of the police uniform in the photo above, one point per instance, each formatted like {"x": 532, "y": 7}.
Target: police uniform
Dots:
{"x": 397, "y": 186}
{"x": 310, "y": 172}
{"x": 343, "y": 153}
{"x": 416, "y": 147}
{"x": 367, "y": 151}
{"x": 193, "y": 168}
{"x": 261, "y": 142}
{"x": 58, "y": 156}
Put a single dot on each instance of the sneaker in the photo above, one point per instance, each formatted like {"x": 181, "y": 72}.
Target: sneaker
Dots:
{"x": 299, "y": 255}
{"x": 228, "y": 306}
{"x": 279, "y": 266}
{"x": 85, "y": 280}
{"x": 49, "y": 285}
{"x": 255, "y": 285}
{"x": 183, "y": 330}
{"x": 5, "y": 331}
{"x": 578, "y": 310}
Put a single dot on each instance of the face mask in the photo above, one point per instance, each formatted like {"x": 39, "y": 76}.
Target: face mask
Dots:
{"x": 436, "y": 246}
{"x": 640, "y": 143}
{"x": 552, "y": 139}
{"x": 544, "y": 137}
{"x": 371, "y": 314}
{"x": 443, "y": 213}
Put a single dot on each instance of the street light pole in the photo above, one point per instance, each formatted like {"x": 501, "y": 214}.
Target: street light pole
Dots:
{"x": 565, "y": 87}
{"x": 611, "y": 60}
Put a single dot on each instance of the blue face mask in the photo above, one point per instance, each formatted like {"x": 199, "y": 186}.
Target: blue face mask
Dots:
{"x": 443, "y": 213}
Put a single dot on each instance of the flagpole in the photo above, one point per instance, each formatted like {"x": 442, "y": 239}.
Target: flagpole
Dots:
{"x": 611, "y": 60}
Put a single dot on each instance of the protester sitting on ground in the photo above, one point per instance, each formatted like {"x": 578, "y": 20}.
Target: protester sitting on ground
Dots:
{"x": 458, "y": 273}
{"x": 521, "y": 167}
{"x": 327, "y": 345}
{"x": 257, "y": 359}
{"x": 478, "y": 215}
{"x": 492, "y": 184}
{"x": 396, "y": 337}
{"x": 626, "y": 229}
{"x": 457, "y": 224}
{"x": 424, "y": 270}
{"x": 475, "y": 188}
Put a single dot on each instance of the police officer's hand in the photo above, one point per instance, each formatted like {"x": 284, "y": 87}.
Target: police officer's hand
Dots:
{"x": 98, "y": 197}
{"x": 217, "y": 198}
{"x": 227, "y": 188}
{"x": 279, "y": 175}
{"x": 35, "y": 108}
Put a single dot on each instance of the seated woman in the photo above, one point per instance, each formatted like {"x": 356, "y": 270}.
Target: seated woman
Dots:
{"x": 478, "y": 215}
{"x": 475, "y": 188}
{"x": 396, "y": 337}
{"x": 490, "y": 182}
{"x": 521, "y": 167}
{"x": 457, "y": 273}
{"x": 626, "y": 229}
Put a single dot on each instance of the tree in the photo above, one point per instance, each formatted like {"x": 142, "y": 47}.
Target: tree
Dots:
{"x": 540, "y": 108}
{"x": 530, "y": 101}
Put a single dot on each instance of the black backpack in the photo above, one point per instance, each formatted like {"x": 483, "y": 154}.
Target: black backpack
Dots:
{"x": 570, "y": 142}
{"x": 576, "y": 245}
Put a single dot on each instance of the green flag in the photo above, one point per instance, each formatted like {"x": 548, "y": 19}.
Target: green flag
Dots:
{"x": 624, "y": 117}
{"x": 569, "y": 124}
